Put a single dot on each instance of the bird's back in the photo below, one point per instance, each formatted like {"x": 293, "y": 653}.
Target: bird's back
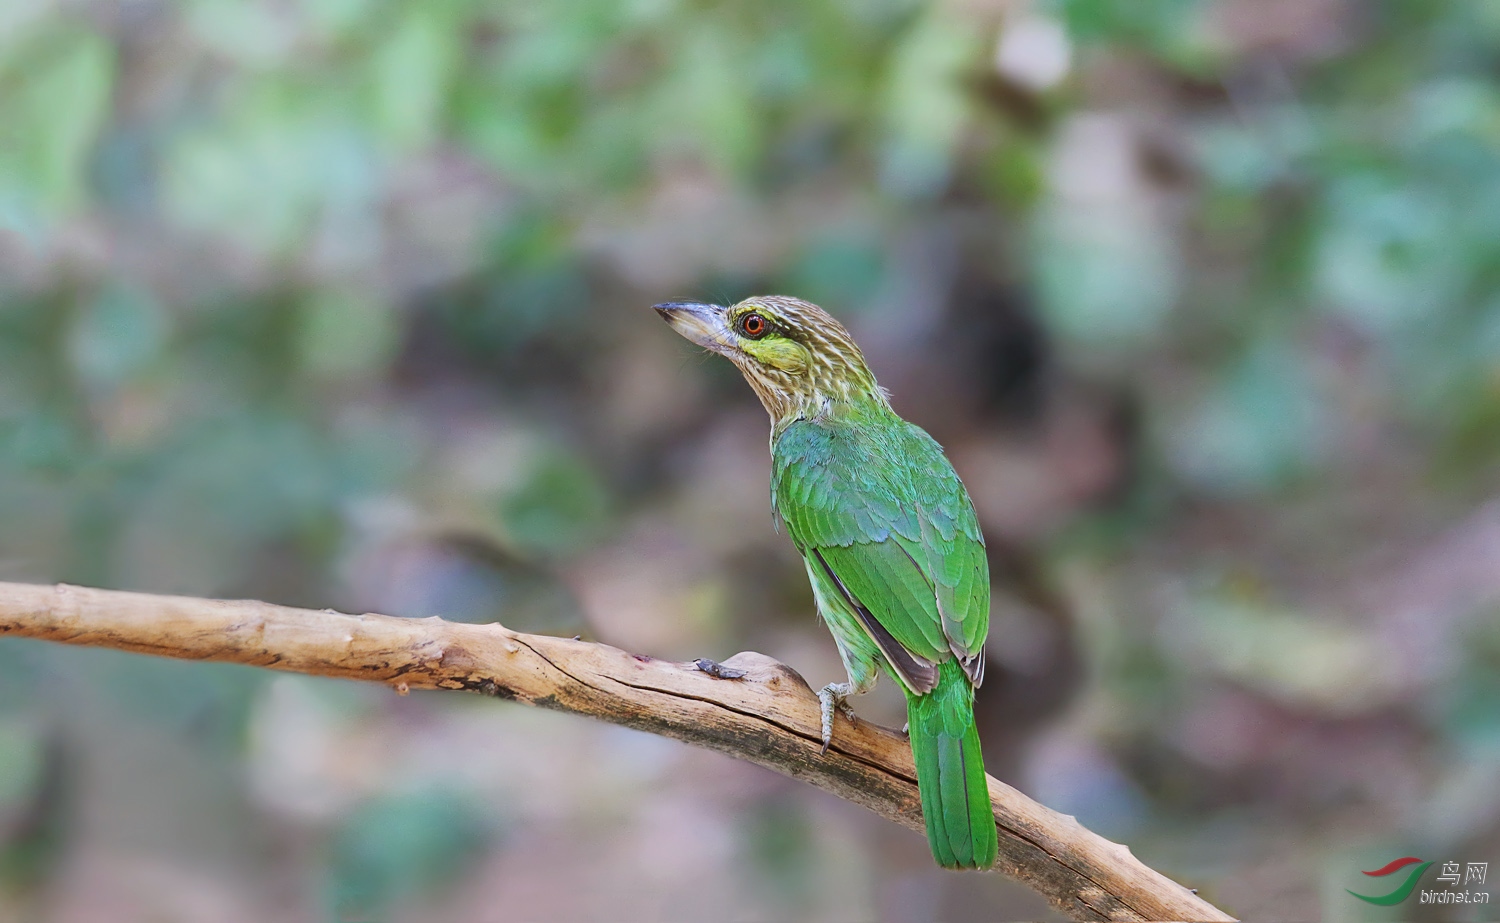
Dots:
{"x": 839, "y": 484}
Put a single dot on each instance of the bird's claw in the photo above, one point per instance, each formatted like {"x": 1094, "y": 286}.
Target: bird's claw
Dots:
{"x": 830, "y": 697}
{"x": 718, "y": 670}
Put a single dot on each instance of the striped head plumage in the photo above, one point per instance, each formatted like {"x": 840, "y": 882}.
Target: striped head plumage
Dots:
{"x": 800, "y": 361}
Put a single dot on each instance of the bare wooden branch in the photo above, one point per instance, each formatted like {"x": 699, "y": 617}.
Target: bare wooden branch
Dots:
{"x": 768, "y": 717}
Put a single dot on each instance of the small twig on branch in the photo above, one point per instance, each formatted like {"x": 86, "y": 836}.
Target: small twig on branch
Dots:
{"x": 766, "y": 714}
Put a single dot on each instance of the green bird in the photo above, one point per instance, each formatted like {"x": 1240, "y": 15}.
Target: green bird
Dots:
{"x": 889, "y": 537}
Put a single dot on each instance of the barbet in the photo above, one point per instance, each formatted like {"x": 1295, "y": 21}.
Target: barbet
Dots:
{"x": 889, "y": 537}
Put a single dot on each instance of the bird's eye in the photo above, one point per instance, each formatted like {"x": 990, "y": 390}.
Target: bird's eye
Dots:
{"x": 753, "y": 326}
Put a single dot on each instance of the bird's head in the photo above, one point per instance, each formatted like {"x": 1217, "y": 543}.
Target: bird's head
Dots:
{"x": 799, "y": 360}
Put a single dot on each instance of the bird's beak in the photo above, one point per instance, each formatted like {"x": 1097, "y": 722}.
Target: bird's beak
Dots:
{"x": 701, "y": 323}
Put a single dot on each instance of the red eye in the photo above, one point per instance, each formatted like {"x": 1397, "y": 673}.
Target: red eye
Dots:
{"x": 753, "y": 326}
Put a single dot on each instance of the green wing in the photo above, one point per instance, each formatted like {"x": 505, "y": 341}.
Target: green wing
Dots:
{"x": 880, "y": 509}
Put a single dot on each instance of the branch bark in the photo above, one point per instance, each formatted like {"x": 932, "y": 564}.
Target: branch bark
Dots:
{"x": 768, "y": 717}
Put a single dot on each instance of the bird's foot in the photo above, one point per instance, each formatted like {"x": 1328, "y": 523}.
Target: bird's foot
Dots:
{"x": 906, "y": 730}
{"x": 830, "y": 697}
{"x": 718, "y": 670}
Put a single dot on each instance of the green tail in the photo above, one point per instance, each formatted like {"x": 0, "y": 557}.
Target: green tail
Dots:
{"x": 950, "y": 772}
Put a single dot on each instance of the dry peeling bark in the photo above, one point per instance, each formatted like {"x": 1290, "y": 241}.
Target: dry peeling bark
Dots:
{"x": 767, "y": 715}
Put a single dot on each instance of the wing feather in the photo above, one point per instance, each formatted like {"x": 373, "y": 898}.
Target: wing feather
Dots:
{"x": 918, "y": 674}
{"x": 885, "y": 516}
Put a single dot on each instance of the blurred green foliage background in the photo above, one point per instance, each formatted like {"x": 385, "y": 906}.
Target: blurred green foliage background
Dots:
{"x": 345, "y": 303}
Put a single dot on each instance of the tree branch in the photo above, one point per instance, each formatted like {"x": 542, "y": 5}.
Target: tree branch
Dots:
{"x": 768, "y": 717}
